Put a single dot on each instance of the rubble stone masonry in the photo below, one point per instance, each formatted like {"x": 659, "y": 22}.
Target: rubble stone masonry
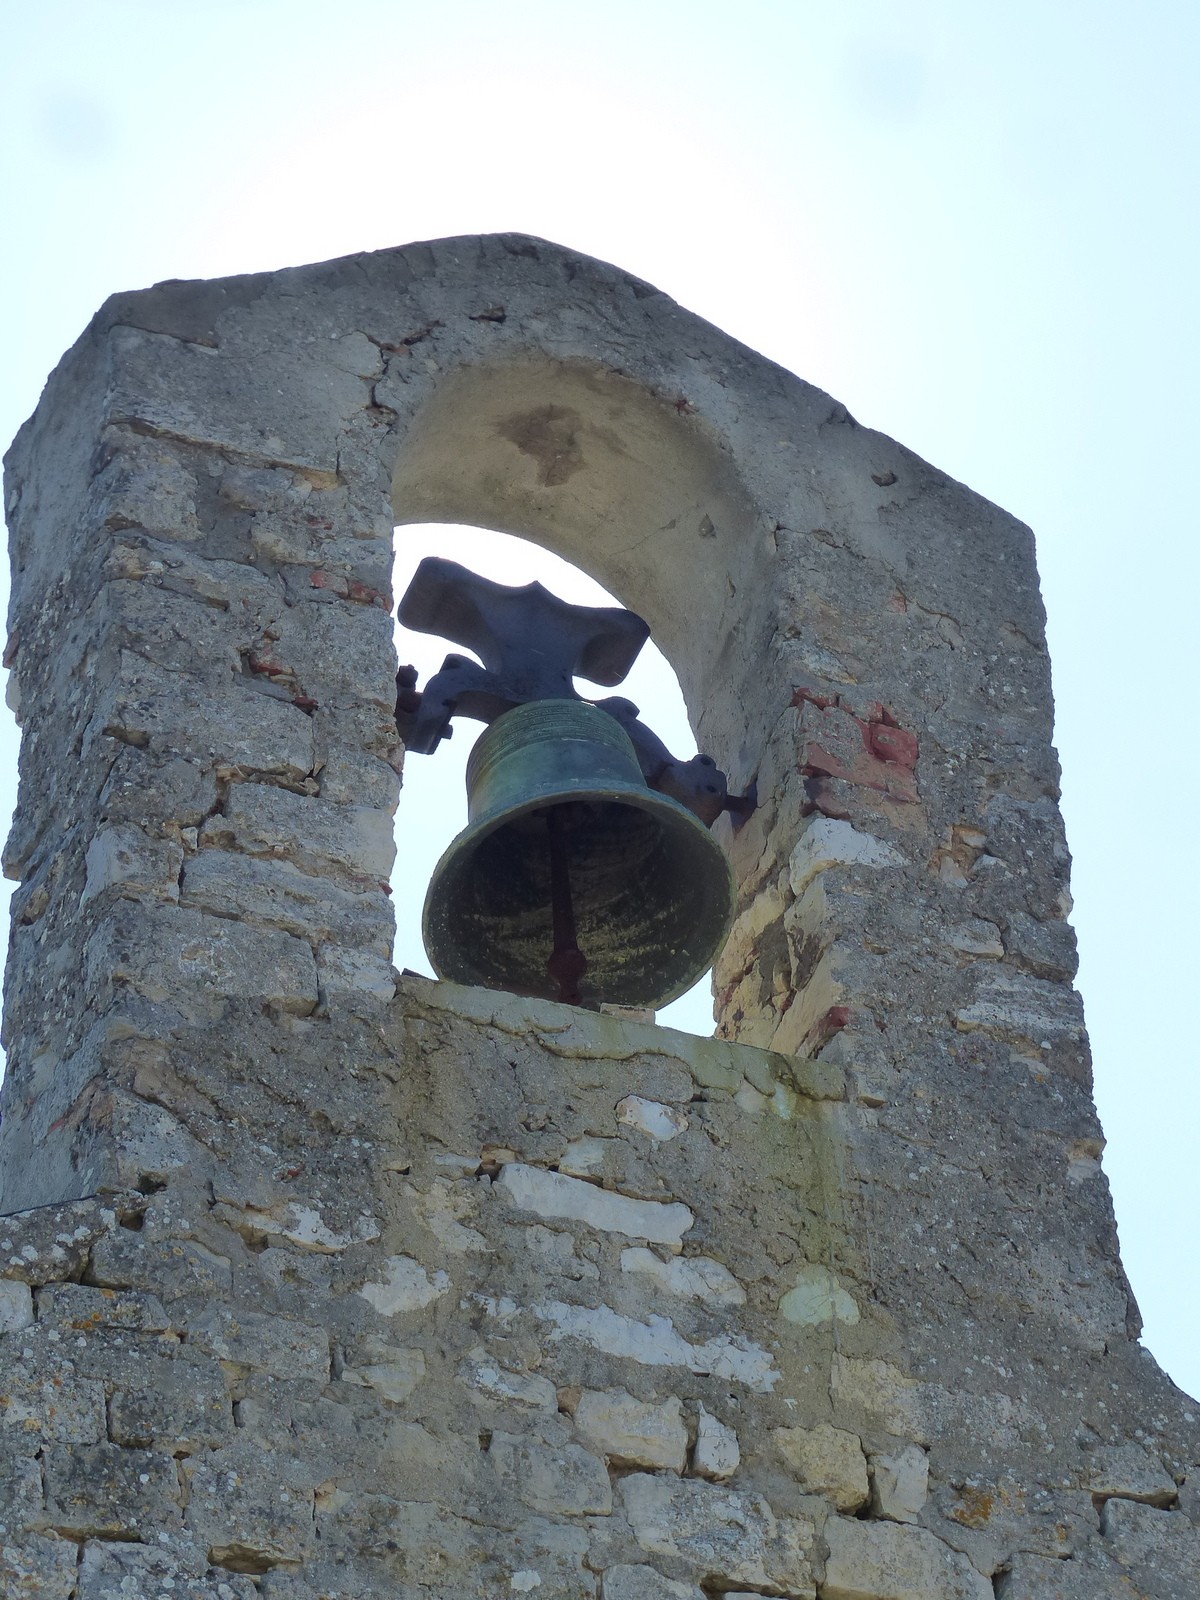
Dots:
{"x": 318, "y": 1282}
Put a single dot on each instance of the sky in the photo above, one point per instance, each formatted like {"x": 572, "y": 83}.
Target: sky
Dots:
{"x": 976, "y": 226}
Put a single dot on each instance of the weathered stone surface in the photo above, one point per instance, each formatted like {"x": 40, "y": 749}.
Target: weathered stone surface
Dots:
{"x": 81, "y": 1308}
{"x": 1159, "y": 1550}
{"x": 275, "y": 894}
{"x": 562, "y": 1480}
{"x": 177, "y": 956}
{"x": 817, "y": 1296}
{"x": 884, "y": 1561}
{"x": 45, "y": 1399}
{"x": 406, "y": 1286}
{"x": 177, "y": 1405}
{"x": 1130, "y": 1472}
{"x": 16, "y": 1305}
{"x": 1039, "y": 1578}
{"x": 104, "y": 1491}
{"x": 250, "y": 1509}
{"x": 645, "y": 1583}
{"x": 262, "y": 819}
{"x": 38, "y": 1567}
{"x": 274, "y": 1344}
{"x": 114, "y": 1571}
{"x": 827, "y": 842}
{"x": 827, "y": 1461}
{"x": 721, "y": 1537}
{"x": 632, "y": 1433}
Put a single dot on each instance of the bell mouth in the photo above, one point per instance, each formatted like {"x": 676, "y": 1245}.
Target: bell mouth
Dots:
{"x": 651, "y": 890}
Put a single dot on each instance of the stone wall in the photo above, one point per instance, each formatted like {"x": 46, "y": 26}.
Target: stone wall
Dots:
{"x": 320, "y": 1282}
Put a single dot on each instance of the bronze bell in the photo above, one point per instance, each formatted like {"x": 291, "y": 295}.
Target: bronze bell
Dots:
{"x": 574, "y": 880}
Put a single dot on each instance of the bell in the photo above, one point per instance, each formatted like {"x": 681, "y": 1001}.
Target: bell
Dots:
{"x": 573, "y": 880}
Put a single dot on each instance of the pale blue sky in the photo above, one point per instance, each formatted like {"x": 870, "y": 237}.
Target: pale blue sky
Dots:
{"x": 975, "y": 225}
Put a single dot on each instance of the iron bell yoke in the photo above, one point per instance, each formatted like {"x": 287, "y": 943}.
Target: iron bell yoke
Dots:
{"x": 586, "y": 872}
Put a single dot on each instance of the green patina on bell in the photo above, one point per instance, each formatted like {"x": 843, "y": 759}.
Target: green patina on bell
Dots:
{"x": 573, "y": 879}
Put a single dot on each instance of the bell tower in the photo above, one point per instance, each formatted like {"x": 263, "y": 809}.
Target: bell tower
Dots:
{"x": 320, "y": 1282}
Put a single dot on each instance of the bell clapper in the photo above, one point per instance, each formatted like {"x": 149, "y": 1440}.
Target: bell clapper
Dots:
{"x": 567, "y": 962}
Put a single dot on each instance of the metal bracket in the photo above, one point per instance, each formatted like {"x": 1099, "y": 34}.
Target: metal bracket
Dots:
{"x": 532, "y": 646}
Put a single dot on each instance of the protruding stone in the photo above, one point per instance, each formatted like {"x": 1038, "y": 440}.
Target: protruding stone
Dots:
{"x": 645, "y": 1583}
{"x": 690, "y": 1277}
{"x": 720, "y": 1537}
{"x": 656, "y": 1121}
{"x": 633, "y": 1433}
{"x": 827, "y": 1461}
{"x": 885, "y": 1561}
{"x": 716, "y": 1453}
{"x": 551, "y": 1195}
{"x": 1129, "y": 1472}
{"x": 16, "y": 1305}
{"x": 900, "y": 1484}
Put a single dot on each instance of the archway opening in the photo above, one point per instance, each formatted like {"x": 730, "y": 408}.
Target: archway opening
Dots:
{"x": 433, "y": 799}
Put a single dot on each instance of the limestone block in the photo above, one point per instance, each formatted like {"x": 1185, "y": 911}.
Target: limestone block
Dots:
{"x": 359, "y": 778}
{"x": 900, "y": 1484}
{"x": 656, "y": 1121}
{"x": 1047, "y": 949}
{"x": 723, "y": 1538}
{"x": 561, "y": 1480}
{"x": 887, "y": 1561}
{"x": 250, "y": 1507}
{"x": 171, "y": 1405}
{"x": 341, "y": 650}
{"x": 16, "y": 1305}
{"x": 36, "y": 1566}
{"x": 485, "y": 1377}
{"x": 1160, "y": 1550}
{"x": 827, "y": 1461}
{"x": 275, "y": 894}
{"x": 828, "y": 842}
{"x": 177, "y": 956}
{"x": 541, "y": 1558}
{"x": 79, "y": 1307}
{"x": 44, "y": 1399}
{"x": 1042, "y": 1578}
{"x": 20, "y": 1489}
{"x": 145, "y": 484}
{"x": 391, "y": 1370}
{"x": 406, "y": 1286}
{"x": 271, "y": 1344}
{"x": 125, "y": 1259}
{"x": 51, "y": 1243}
{"x": 657, "y": 1343}
{"x": 152, "y": 791}
{"x": 551, "y": 1195}
{"x": 115, "y": 1571}
{"x": 178, "y": 714}
{"x": 630, "y": 1432}
{"x": 976, "y": 937}
{"x": 1130, "y": 1472}
{"x": 104, "y": 1491}
{"x": 126, "y": 858}
{"x": 263, "y": 819}
{"x": 251, "y": 405}
{"x": 689, "y": 1277}
{"x": 716, "y": 1454}
{"x": 1014, "y": 1006}
{"x": 349, "y": 978}
{"x": 645, "y": 1583}
{"x": 817, "y": 1297}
